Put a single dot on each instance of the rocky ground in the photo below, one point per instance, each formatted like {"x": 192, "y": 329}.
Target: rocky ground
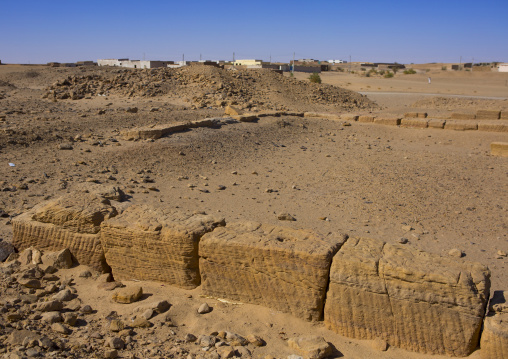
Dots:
{"x": 437, "y": 190}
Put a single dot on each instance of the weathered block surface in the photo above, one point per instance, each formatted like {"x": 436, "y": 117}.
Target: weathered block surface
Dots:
{"x": 349, "y": 117}
{"x": 462, "y": 116}
{"x": 462, "y": 125}
{"x": 329, "y": 116}
{"x": 158, "y": 131}
{"x": 494, "y": 342}
{"x": 246, "y": 117}
{"x": 409, "y": 298}
{"x": 488, "y": 115}
{"x": 72, "y": 221}
{"x": 435, "y": 123}
{"x": 493, "y": 126}
{"x": 390, "y": 121}
{"x": 277, "y": 267}
{"x": 504, "y": 115}
{"x": 414, "y": 122}
{"x": 415, "y": 115}
{"x": 499, "y": 149}
{"x": 147, "y": 244}
{"x": 366, "y": 119}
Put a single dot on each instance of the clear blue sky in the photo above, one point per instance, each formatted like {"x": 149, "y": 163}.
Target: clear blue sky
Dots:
{"x": 369, "y": 30}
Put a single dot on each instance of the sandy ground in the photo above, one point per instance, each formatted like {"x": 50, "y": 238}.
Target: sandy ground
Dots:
{"x": 364, "y": 179}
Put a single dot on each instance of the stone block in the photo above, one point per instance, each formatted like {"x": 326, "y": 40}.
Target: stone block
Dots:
{"x": 462, "y": 125}
{"x": 158, "y": 131}
{"x": 409, "y": 298}
{"x": 504, "y": 115}
{"x": 494, "y": 341}
{"x": 390, "y": 121}
{"x": 462, "y": 116}
{"x": 488, "y": 115}
{"x": 277, "y": 267}
{"x": 414, "y": 122}
{"x": 246, "y": 118}
{"x": 233, "y": 111}
{"x": 366, "y": 119}
{"x": 493, "y": 126}
{"x": 72, "y": 222}
{"x": 415, "y": 115}
{"x": 329, "y": 116}
{"x": 499, "y": 149}
{"x": 147, "y": 244}
{"x": 348, "y": 117}
{"x": 434, "y": 123}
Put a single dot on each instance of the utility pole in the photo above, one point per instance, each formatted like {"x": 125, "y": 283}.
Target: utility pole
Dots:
{"x": 349, "y": 63}
{"x": 143, "y": 56}
{"x": 472, "y": 64}
{"x": 199, "y": 57}
{"x": 270, "y": 59}
{"x": 233, "y": 58}
{"x": 293, "y": 68}
{"x": 460, "y": 63}
{"x": 183, "y": 59}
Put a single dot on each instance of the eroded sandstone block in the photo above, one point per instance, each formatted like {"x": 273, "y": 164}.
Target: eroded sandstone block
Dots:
{"x": 277, "y": 267}
{"x": 493, "y": 126}
{"x": 436, "y": 123}
{"x": 462, "y": 116}
{"x": 147, "y": 244}
{"x": 488, "y": 114}
{"x": 390, "y": 121}
{"x": 462, "y": 125}
{"x": 414, "y": 122}
{"x": 499, "y": 149}
{"x": 366, "y": 118}
{"x": 409, "y": 298}
{"x": 494, "y": 342}
{"x": 72, "y": 221}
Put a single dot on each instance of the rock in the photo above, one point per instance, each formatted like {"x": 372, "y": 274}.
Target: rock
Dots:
{"x": 114, "y": 343}
{"x": 49, "y": 306}
{"x": 232, "y": 111}
{"x": 70, "y": 222}
{"x": 6, "y": 249}
{"x": 128, "y": 295}
{"x": 242, "y": 262}
{"x": 312, "y": 347}
{"x": 255, "y": 340}
{"x": 110, "y": 286}
{"x": 285, "y": 217}
{"x": 411, "y": 299}
{"x": 242, "y": 352}
{"x": 190, "y": 338}
{"x": 132, "y": 109}
{"x": 162, "y": 245}
{"x": 85, "y": 274}
{"x": 30, "y": 283}
{"x": 52, "y": 317}
{"x": 86, "y": 309}
{"x": 207, "y": 341}
{"x": 236, "y": 340}
{"x": 60, "y": 328}
{"x": 70, "y": 318}
{"x": 494, "y": 339}
{"x": 116, "y": 325}
{"x": 204, "y": 308}
{"x": 226, "y": 352}
{"x": 17, "y": 337}
{"x": 111, "y": 353}
{"x": 141, "y": 322}
{"x": 65, "y": 146}
{"x": 104, "y": 278}
{"x": 147, "y": 314}
{"x": 64, "y": 295}
{"x": 455, "y": 253}
{"x": 379, "y": 344}
{"x": 407, "y": 228}
{"x": 25, "y": 257}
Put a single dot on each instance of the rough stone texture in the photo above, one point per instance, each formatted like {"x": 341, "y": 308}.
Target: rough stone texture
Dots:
{"x": 390, "y": 121}
{"x": 158, "y": 131}
{"x": 277, "y": 267}
{"x": 437, "y": 123}
{"x": 493, "y": 126}
{"x": 499, "y": 149}
{"x": 411, "y": 299}
{"x": 365, "y": 119}
{"x": 488, "y": 115}
{"x": 329, "y": 116}
{"x": 504, "y": 115}
{"x": 128, "y": 295}
{"x": 462, "y": 125}
{"x": 349, "y": 117}
{"x": 494, "y": 342}
{"x": 414, "y": 122}
{"x": 147, "y": 244}
{"x": 233, "y": 111}
{"x": 246, "y": 117}
{"x": 415, "y": 115}
{"x": 72, "y": 222}
{"x": 6, "y": 249}
{"x": 462, "y": 116}
{"x": 311, "y": 347}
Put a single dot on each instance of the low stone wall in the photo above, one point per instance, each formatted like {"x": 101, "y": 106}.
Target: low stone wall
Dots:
{"x": 362, "y": 288}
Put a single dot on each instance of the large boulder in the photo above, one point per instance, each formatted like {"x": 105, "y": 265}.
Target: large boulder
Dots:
{"x": 147, "y": 244}
{"x": 494, "y": 342}
{"x": 409, "y": 298}
{"x": 277, "y": 267}
{"x": 72, "y": 222}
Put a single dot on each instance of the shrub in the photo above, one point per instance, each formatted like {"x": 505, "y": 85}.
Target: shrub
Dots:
{"x": 409, "y": 72}
{"x": 382, "y": 72}
{"x": 443, "y": 68}
{"x": 363, "y": 68}
{"x": 315, "y": 78}
{"x": 388, "y": 75}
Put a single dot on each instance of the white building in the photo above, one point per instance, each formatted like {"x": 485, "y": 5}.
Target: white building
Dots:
{"x": 248, "y": 63}
{"x": 133, "y": 64}
{"x": 337, "y": 62}
{"x": 502, "y": 67}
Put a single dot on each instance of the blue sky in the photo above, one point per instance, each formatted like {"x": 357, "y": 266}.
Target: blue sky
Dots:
{"x": 379, "y": 31}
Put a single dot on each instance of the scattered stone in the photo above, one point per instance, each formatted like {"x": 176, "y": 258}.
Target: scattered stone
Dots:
{"x": 285, "y": 217}
{"x": 65, "y": 146}
{"x": 190, "y": 338}
{"x": 111, "y": 353}
{"x": 114, "y": 343}
{"x": 128, "y": 295}
{"x": 402, "y": 240}
{"x": 49, "y": 306}
{"x": 64, "y": 295}
{"x": 61, "y": 259}
{"x": 204, "y": 308}
{"x": 52, "y": 317}
{"x": 379, "y": 344}
{"x": 85, "y": 274}
{"x": 60, "y": 328}
{"x": 70, "y": 318}
{"x": 312, "y": 347}
{"x": 255, "y": 340}
{"x": 86, "y": 309}
{"x": 456, "y": 253}
{"x": 6, "y": 249}
{"x": 116, "y": 325}
{"x": 141, "y": 322}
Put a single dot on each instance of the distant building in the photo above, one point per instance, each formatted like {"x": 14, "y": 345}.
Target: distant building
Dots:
{"x": 133, "y": 64}
{"x": 337, "y": 62}
{"x": 86, "y": 63}
{"x": 247, "y": 62}
{"x": 502, "y": 67}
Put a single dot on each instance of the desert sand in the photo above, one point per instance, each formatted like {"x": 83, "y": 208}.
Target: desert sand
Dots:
{"x": 440, "y": 189}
